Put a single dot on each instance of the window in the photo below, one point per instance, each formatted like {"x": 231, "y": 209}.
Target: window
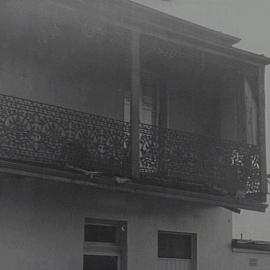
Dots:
{"x": 251, "y": 115}
{"x": 97, "y": 262}
{"x": 148, "y": 114}
{"x": 175, "y": 245}
{"x": 150, "y": 100}
{"x": 104, "y": 245}
{"x": 100, "y": 233}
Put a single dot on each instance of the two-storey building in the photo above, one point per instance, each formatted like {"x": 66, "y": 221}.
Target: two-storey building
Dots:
{"x": 127, "y": 138}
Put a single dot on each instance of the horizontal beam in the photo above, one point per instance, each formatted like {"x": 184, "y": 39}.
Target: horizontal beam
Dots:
{"x": 109, "y": 183}
{"x": 136, "y": 94}
{"x": 133, "y": 20}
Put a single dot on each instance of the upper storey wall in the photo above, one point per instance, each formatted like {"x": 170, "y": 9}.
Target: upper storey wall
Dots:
{"x": 47, "y": 55}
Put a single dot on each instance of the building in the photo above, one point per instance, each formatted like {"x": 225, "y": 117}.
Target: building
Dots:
{"x": 128, "y": 137}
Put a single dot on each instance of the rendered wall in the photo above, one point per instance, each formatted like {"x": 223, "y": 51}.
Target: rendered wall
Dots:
{"x": 42, "y": 225}
{"x": 48, "y": 54}
{"x": 245, "y": 260}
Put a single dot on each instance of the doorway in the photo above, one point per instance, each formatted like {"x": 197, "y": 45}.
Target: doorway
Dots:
{"x": 98, "y": 262}
{"x": 153, "y": 103}
{"x": 104, "y": 245}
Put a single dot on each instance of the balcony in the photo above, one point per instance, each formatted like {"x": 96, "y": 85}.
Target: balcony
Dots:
{"x": 189, "y": 106}
{"x": 61, "y": 138}
{"x": 199, "y": 163}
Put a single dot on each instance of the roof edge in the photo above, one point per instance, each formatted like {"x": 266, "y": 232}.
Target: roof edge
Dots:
{"x": 188, "y": 28}
{"x": 210, "y": 40}
{"x": 251, "y": 244}
{"x": 230, "y": 39}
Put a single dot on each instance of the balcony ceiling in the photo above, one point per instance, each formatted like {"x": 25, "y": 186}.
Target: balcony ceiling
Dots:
{"x": 69, "y": 28}
{"x": 133, "y": 15}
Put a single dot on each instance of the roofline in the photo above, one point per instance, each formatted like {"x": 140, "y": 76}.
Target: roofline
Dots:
{"x": 223, "y": 44}
{"x": 251, "y": 245}
{"x": 227, "y": 37}
{"x": 261, "y": 58}
{"x": 200, "y": 37}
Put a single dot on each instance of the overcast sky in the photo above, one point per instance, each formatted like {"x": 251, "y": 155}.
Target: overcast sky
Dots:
{"x": 249, "y": 20}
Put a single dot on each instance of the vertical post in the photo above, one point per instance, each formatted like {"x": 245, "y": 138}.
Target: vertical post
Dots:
{"x": 136, "y": 94}
{"x": 241, "y": 109}
{"x": 163, "y": 101}
{"x": 262, "y": 143}
{"x": 163, "y": 125}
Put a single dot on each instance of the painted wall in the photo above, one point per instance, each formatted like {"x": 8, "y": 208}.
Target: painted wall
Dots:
{"x": 48, "y": 54}
{"x": 42, "y": 225}
{"x": 245, "y": 259}
{"x": 51, "y": 54}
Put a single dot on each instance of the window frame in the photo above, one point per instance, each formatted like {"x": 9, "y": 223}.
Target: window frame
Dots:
{"x": 117, "y": 248}
{"x": 193, "y": 247}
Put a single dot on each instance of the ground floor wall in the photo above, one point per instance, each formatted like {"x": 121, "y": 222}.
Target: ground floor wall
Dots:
{"x": 42, "y": 225}
{"x": 250, "y": 259}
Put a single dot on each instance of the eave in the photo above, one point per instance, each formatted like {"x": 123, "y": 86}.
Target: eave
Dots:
{"x": 251, "y": 245}
{"x": 133, "y": 16}
{"x": 110, "y": 184}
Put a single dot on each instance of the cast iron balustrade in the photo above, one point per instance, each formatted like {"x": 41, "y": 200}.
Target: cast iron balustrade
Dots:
{"x": 40, "y": 133}
{"x": 196, "y": 162}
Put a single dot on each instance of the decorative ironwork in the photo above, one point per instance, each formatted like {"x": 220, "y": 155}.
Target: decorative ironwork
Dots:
{"x": 198, "y": 162}
{"x": 40, "y": 133}
{"x": 36, "y": 132}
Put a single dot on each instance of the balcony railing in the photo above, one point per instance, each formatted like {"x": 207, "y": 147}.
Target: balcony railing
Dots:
{"x": 45, "y": 134}
{"x": 41, "y": 133}
{"x": 198, "y": 162}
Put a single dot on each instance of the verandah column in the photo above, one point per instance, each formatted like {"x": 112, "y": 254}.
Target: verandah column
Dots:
{"x": 262, "y": 143}
{"x": 136, "y": 93}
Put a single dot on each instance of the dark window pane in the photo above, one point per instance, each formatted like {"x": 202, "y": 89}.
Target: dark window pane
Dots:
{"x": 99, "y": 233}
{"x": 172, "y": 245}
{"x": 95, "y": 262}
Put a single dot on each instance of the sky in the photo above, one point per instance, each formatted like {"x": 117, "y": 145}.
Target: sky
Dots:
{"x": 250, "y": 21}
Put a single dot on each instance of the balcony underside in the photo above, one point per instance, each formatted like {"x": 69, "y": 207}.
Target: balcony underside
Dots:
{"x": 99, "y": 182}
{"x": 172, "y": 163}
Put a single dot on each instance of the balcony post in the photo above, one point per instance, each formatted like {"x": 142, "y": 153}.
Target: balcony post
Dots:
{"x": 136, "y": 93}
{"x": 262, "y": 143}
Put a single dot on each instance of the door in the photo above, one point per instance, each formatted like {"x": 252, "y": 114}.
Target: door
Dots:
{"x": 153, "y": 116}
{"x": 149, "y": 103}
{"x": 104, "y": 245}
{"x": 101, "y": 262}
{"x": 251, "y": 115}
